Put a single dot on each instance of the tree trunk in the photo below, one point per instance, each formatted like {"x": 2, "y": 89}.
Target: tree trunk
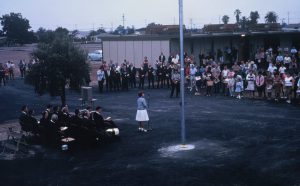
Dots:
{"x": 63, "y": 94}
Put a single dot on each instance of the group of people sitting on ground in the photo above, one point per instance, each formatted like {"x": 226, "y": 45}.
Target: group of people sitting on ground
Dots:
{"x": 57, "y": 126}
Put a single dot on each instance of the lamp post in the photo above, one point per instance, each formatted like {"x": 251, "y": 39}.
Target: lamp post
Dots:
{"x": 182, "y": 78}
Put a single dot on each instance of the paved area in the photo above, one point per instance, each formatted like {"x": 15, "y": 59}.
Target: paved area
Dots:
{"x": 237, "y": 142}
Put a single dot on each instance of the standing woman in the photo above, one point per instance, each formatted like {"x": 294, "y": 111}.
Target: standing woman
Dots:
{"x": 288, "y": 83}
{"x": 141, "y": 114}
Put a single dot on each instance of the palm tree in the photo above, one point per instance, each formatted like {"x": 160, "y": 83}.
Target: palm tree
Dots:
{"x": 254, "y": 16}
{"x": 225, "y": 19}
{"x": 271, "y": 17}
{"x": 237, "y": 14}
{"x": 244, "y": 22}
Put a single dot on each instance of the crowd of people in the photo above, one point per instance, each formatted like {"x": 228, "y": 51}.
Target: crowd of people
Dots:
{"x": 272, "y": 74}
{"x": 8, "y": 69}
{"x": 57, "y": 126}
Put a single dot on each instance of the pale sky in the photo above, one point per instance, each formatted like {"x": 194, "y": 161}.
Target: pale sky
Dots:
{"x": 89, "y": 14}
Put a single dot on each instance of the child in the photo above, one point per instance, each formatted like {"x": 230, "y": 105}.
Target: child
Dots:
{"x": 239, "y": 87}
{"x": 231, "y": 82}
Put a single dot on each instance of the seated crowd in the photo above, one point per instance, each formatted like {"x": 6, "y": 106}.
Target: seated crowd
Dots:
{"x": 57, "y": 126}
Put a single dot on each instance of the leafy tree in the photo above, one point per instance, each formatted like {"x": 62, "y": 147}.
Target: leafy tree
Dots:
{"x": 153, "y": 25}
{"x": 94, "y": 33}
{"x": 120, "y": 30}
{"x": 130, "y": 30}
{"x": 45, "y": 36}
{"x": 244, "y": 22}
{"x": 271, "y": 17}
{"x": 59, "y": 62}
{"x": 237, "y": 14}
{"x": 16, "y": 28}
{"x": 225, "y": 19}
{"x": 254, "y": 16}
{"x": 74, "y": 33}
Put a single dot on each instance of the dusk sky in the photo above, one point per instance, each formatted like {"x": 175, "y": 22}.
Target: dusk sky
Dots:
{"x": 89, "y": 14}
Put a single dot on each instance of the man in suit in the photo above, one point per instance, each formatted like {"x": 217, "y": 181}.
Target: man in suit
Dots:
{"x": 32, "y": 122}
{"x": 141, "y": 77}
{"x": 162, "y": 58}
{"x": 98, "y": 119}
{"x": 150, "y": 77}
{"x": 23, "y": 118}
{"x": 102, "y": 124}
{"x": 159, "y": 73}
{"x": 125, "y": 76}
{"x": 132, "y": 76}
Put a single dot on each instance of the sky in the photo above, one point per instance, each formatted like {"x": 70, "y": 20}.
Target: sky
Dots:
{"x": 93, "y": 14}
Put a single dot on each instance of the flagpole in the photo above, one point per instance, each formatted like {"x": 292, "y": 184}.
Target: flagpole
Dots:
{"x": 182, "y": 76}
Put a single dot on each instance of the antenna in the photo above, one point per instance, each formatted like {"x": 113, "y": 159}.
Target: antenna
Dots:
{"x": 123, "y": 20}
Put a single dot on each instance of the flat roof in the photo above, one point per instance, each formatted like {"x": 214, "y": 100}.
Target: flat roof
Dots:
{"x": 201, "y": 35}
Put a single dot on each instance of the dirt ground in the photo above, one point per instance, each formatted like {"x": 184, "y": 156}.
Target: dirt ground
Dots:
{"x": 15, "y": 54}
{"x": 237, "y": 142}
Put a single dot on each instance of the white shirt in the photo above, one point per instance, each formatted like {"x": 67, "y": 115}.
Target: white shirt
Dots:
{"x": 287, "y": 60}
{"x": 272, "y": 69}
{"x": 193, "y": 71}
{"x": 279, "y": 58}
{"x": 100, "y": 75}
{"x": 225, "y": 73}
{"x": 288, "y": 81}
{"x": 250, "y": 77}
{"x": 293, "y": 51}
{"x": 282, "y": 70}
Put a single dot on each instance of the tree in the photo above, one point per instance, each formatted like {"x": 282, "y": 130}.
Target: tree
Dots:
{"x": 45, "y": 36}
{"x": 271, "y": 17}
{"x": 244, "y": 23}
{"x": 254, "y": 16}
{"x": 237, "y": 14}
{"x": 130, "y": 30}
{"x": 59, "y": 62}
{"x": 94, "y": 33}
{"x": 16, "y": 28}
{"x": 225, "y": 19}
{"x": 120, "y": 30}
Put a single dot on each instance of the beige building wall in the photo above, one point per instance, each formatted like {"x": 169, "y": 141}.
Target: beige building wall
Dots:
{"x": 135, "y": 51}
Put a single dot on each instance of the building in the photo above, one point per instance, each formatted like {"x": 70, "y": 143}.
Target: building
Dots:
{"x": 135, "y": 48}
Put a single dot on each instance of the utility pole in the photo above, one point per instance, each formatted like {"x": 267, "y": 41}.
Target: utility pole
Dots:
{"x": 288, "y": 18}
{"x": 123, "y": 19}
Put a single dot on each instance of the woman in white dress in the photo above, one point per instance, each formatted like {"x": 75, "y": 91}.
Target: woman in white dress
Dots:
{"x": 141, "y": 114}
{"x": 250, "y": 78}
